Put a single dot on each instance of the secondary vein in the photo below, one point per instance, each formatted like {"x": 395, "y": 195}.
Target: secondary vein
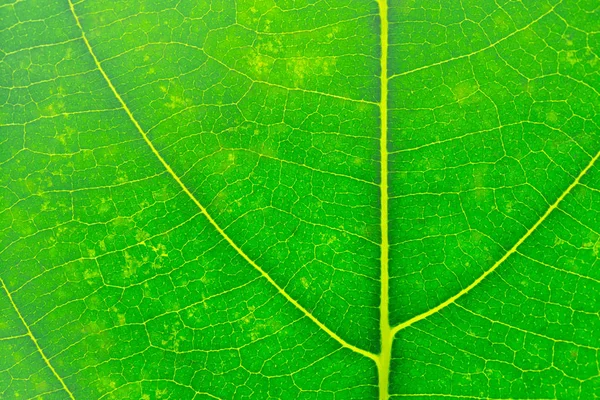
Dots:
{"x": 201, "y": 207}
{"x": 512, "y": 250}
{"x": 35, "y": 342}
{"x": 491, "y": 45}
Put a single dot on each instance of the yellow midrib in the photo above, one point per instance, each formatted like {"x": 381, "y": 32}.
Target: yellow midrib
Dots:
{"x": 388, "y": 332}
{"x": 384, "y": 359}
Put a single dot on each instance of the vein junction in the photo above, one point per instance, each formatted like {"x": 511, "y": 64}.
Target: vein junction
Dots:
{"x": 511, "y": 251}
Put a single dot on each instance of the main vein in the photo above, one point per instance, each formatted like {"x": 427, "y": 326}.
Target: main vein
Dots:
{"x": 512, "y": 250}
{"x": 383, "y": 364}
{"x": 34, "y": 340}
{"x": 201, "y": 207}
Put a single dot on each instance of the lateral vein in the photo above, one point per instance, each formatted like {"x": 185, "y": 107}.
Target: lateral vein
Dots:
{"x": 201, "y": 207}
{"x": 34, "y": 340}
{"x": 491, "y": 45}
{"x": 512, "y": 250}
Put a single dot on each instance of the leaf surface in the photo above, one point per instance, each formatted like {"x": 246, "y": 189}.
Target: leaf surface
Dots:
{"x": 339, "y": 199}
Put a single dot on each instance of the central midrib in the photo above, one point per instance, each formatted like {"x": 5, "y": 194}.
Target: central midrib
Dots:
{"x": 384, "y": 359}
{"x": 387, "y": 331}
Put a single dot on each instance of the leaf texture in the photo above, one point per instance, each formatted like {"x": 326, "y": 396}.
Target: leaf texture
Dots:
{"x": 342, "y": 199}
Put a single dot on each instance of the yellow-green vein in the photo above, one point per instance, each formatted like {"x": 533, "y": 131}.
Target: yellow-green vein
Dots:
{"x": 201, "y": 207}
{"x": 490, "y": 46}
{"x": 512, "y": 250}
{"x": 34, "y": 340}
{"x": 383, "y": 363}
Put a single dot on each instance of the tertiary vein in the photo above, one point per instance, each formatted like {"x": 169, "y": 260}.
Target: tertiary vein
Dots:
{"x": 202, "y": 209}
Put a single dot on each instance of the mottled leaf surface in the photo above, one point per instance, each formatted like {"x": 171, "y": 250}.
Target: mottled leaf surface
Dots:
{"x": 315, "y": 199}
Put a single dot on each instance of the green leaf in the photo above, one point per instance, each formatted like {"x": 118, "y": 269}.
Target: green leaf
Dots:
{"x": 342, "y": 199}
